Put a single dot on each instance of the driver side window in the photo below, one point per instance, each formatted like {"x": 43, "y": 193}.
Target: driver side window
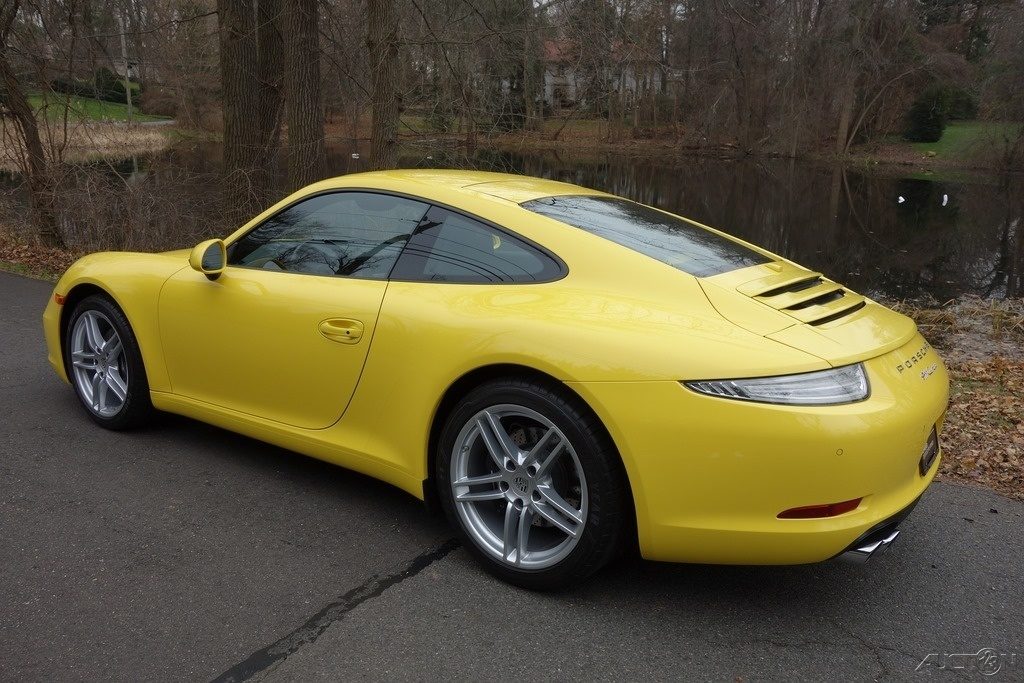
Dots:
{"x": 351, "y": 234}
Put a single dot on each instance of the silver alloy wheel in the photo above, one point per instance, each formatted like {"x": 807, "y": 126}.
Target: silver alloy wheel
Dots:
{"x": 98, "y": 364}
{"x": 518, "y": 487}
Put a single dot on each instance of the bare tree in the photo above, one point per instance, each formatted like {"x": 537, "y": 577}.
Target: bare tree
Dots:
{"x": 307, "y": 155}
{"x": 33, "y": 161}
{"x": 247, "y": 164}
{"x": 382, "y": 41}
{"x": 269, "y": 67}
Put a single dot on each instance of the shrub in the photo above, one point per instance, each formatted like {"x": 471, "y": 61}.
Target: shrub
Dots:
{"x": 926, "y": 120}
{"x": 160, "y": 101}
{"x": 105, "y": 86}
{"x": 107, "y": 82}
{"x": 960, "y": 104}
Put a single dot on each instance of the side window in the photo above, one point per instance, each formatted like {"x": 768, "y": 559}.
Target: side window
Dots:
{"x": 353, "y": 234}
{"x": 450, "y": 247}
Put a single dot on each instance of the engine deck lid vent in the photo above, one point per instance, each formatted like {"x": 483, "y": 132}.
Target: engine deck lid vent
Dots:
{"x": 805, "y": 295}
{"x": 805, "y": 310}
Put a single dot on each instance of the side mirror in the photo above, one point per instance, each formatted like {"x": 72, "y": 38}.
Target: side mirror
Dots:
{"x": 209, "y": 258}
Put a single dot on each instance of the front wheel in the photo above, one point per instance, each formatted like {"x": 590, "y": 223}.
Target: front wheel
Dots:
{"x": 533, "y": 483}
{"x": 105, "y": 365}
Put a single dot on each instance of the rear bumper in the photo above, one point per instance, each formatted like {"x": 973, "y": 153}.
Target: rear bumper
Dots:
{"x": 710, "y": 476}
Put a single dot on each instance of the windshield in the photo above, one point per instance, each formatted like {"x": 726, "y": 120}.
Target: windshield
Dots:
{"x": 681, "y": 244}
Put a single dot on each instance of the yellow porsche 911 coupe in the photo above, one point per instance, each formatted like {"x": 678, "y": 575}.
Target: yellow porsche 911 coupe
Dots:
{"x": 565, "y": 372}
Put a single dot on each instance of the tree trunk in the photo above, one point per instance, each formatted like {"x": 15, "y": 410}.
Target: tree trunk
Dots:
{"x": 382, "y": 41}
{"x": 269, "y": 69}
{"x": 846, "y": 102}
{"x": 34, "y": 164}
{"x": 531, "y": 121}
{"x": 307, "y": 155}
{"x": 238, "y": 54}
{"x": 847, "y": 89}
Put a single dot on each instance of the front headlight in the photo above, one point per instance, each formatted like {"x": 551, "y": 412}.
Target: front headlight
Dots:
{"x": 847, "y": 384}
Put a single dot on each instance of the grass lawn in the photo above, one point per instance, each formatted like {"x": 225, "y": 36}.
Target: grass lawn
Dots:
{"x": 962, "y": 138}
{"x": 86, "y": 109}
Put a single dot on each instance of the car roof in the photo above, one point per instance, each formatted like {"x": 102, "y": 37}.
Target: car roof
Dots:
{"x": 485, "y": 184}
{"x": 483, "y": 194}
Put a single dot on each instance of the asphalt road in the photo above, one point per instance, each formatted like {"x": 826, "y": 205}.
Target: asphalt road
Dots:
{"x": 187, "y": 552}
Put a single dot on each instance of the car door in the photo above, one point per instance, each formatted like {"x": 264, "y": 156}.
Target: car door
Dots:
{"x": 283, "y": 333}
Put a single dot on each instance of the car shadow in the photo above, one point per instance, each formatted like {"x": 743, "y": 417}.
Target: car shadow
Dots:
{"x": 318, "y": 478}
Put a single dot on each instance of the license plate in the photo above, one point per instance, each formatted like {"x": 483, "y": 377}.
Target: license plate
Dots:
{"x": 931, "y": 450}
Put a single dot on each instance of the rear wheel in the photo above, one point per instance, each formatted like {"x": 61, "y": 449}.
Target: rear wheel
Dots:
{"x": 531, "y": 480}
{"x": 105, "y": 366}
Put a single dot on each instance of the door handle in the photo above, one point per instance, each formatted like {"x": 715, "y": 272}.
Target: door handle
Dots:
{"x": 344, "y": 330}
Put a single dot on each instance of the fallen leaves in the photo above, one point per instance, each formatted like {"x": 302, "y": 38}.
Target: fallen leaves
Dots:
{"x": 983, "y": 437}
{"x": 982, "y": 342}
{"x": 34, "y": 260}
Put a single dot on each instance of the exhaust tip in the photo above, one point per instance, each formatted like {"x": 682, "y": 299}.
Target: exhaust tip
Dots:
{"x": 869, "y": 547}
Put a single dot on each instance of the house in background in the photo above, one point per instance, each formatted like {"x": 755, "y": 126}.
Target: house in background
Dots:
{"x": 561, "y": 85}
{"x": 629, "y": 71}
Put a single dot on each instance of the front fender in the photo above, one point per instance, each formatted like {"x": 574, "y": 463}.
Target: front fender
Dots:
{"x": 133, "y": 281}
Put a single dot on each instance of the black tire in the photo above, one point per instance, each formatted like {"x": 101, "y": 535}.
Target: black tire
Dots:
{"x": 609, "y": 516}
{"x": 137, "y": 409}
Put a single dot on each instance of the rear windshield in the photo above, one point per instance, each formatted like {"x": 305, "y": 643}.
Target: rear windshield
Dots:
{"x": 672, "y": 240}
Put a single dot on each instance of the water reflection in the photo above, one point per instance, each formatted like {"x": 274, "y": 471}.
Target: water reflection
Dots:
{"x": 945, "y": 238}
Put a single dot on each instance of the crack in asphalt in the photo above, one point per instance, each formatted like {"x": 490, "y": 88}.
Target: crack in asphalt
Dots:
{"x": 373, "y": 587}
{"x": 876, "y": 653}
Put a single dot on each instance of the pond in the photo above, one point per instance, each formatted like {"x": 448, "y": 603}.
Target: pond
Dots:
{"x": 910, "y": 237}
{"x": 916, "y": 237}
